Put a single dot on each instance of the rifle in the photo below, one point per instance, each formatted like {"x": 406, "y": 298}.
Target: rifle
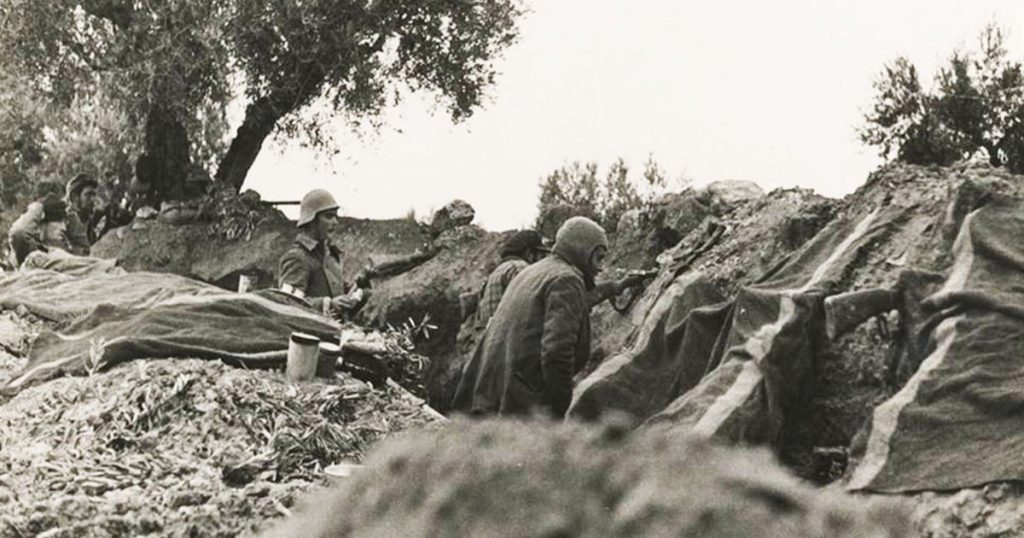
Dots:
{"x": 394, "y": 267}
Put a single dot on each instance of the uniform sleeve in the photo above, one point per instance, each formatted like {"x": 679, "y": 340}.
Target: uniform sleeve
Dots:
{"x": 511, "y": 272}
{"x": 603, "y": 291}
{"x": 564, "y": 310}
{"x": 294, "y": 275}
{"x": 294, "y": 270}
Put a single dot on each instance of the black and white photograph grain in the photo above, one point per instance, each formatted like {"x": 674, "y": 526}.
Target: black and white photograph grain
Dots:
{"x": 512, "y": 268}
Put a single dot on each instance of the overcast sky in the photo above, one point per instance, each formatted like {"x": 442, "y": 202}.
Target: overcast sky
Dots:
{"x": 766, "y": 91}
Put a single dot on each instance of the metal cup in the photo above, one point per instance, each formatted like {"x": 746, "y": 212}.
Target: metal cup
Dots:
{"x": 302, "y": 357}
{"x": 246, "y": 283}
{"x": 327, "y": 360}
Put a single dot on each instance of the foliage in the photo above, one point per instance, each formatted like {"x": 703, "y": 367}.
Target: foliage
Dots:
{"x": 42, "y": 141}
{"x": 603, "y": 198}
{"x": 173, "y": 66}
{"x": 976, "y": 105}
{"x": 20, "y": 142}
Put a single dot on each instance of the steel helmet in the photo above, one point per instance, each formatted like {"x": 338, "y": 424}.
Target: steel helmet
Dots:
{"x": 78, "y": 183}
{"x": 313, "y": 202}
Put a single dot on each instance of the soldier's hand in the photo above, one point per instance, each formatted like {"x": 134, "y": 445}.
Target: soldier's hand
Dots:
{"x": 634, "y": 280}
{"x": 350, "y": 301}
{"x": 364, "y": 276}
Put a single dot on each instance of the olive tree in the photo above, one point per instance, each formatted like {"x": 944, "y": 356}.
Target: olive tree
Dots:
{"x": 976, "y": 104}
{"x": 173, "y": 66}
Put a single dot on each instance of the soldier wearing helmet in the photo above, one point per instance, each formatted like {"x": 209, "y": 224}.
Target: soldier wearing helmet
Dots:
{"x": 539, "y": 335}
{"x": 312, "y": 268}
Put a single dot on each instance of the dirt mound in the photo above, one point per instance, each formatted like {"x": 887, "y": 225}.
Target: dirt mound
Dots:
{"x": 642, "y": 234}
{"x": 182, "y": 447}
{"x": 990, "y": 511}
{"x": 227, "y": 237}
{"x": 753, "y": 236}
{"x": 854, "y": 374}
{"x": 240, "y": 235}
{"x": 539, "y": 479}
{"x": 760, "y": 234}
{"x": 466, "y": 256}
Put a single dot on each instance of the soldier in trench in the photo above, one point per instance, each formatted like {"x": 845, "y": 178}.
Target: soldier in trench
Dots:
{"x": 539, "y": 335}
{"x": 88, "y": 217}
{"x": 517, "y": 253}
{"x": 311, "y": 269}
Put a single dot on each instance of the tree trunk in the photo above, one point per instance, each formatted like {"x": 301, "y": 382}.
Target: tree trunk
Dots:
{"x": 165, "y": 160}
{"x": 260, "y": 118}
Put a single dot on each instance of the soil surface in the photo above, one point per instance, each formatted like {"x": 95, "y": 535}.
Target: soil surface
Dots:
{"x": 497, "y": 478}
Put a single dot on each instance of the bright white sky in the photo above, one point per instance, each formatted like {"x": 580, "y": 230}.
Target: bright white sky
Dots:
{"x": 765, "y": 91}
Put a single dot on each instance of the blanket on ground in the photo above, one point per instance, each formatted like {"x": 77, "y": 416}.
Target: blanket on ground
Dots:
{"x": 106, "y": 319}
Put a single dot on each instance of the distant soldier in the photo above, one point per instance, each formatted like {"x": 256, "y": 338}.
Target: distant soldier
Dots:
{"x": 83, "y": 216}
{"x": 539, "y": 335}
{"x": 522, "y": 249}
{"x": 30, "y": 232}
{"x": 88, "y": 216}
{"x": 517, "y": 253}
{"x": 312, "y": 268}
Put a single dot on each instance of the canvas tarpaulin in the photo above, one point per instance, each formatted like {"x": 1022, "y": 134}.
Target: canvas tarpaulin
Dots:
{"x": 959, "y": 421}
{"x": 62, "y": 297}
{"x": 643, "y": 379}
{"x": 727, "y": 369}
{"x": 109, "y": 319}
{"x": 60, "y": 260}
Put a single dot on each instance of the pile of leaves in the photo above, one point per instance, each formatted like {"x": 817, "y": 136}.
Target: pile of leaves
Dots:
{"x": 180, "y": 447}
{"x": 236, "y": 216}
{"x": 17, "y": 331}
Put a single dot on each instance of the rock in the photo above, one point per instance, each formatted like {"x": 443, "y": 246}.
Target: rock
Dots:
{"x": 453, "y": 215}
{"x": 146, "y": 213}
{"x": 992, "y": 510}
{"x": 682, "y": 212}
{"x": 730, "y": 192}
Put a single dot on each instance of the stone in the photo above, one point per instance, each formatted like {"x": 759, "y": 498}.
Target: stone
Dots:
{"x": 453, "y": 215}
{"x": 730, "y": 192}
